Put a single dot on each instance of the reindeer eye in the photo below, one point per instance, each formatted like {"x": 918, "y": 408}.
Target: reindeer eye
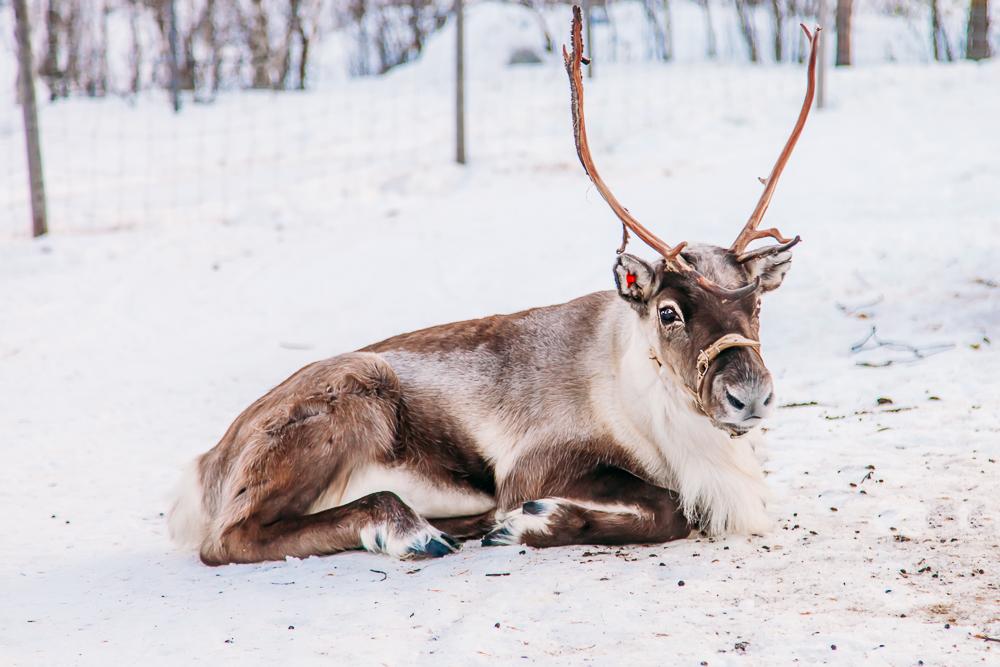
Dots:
{"x": 669, "y": 315}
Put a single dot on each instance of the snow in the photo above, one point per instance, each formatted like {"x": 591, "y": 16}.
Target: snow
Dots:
{"x": 280, "y": 229}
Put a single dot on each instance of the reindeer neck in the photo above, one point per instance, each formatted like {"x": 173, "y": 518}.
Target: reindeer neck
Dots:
{"x": 645, "y": 404}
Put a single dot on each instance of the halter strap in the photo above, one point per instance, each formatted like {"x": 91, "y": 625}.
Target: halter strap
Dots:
{"x": 708, "y": 355}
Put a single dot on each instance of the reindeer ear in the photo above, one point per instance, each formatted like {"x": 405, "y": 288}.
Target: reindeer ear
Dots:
{"x": 771, "y": 269}
{"x": 635, "y": 279}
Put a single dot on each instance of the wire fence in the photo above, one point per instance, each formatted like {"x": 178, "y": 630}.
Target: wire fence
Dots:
{"x": 255, "y": 155}
{"x": 117, "y": 163}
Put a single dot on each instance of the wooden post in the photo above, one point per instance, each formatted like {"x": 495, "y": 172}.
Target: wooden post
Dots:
{"x": 588, "y": 37}
{"x": 843, "y": 23}
{"x": 175, "y": 83}
{"x": 459, "y": 82}
{"x": 821, "y": 60}
{"x": 22, "y": 30}
{"x": 978, "y": 30}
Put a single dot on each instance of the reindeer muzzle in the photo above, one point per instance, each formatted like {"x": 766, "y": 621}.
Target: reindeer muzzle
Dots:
{"x": 709, "y": 354}
{"x": 705, "y": 359}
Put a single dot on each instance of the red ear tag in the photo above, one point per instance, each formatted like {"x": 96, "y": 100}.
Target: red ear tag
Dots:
{"x": 629, "y": 279}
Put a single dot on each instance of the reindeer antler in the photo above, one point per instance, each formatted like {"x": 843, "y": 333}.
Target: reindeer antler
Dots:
{"x": 573, "y": 60}
{"x": 671, "y": 255}
{"x": 750, "y": 232}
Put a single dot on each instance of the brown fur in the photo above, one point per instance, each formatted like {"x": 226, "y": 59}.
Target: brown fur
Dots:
{"x": 658, "y": 517}
{"x": 594, "y": 472}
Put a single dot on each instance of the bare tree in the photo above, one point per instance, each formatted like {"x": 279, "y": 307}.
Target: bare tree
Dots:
{"x": 293, "y": 27}
{"x": 711, "y": 50}
{"x": 259, "y": 42}
{"x": 779, "y": 27}
{"x": 214, "y": 42}
{"x": 73, "y": 26}
{"x": 53, "y": 75}
{"x": 939, "y": 37}
{"x": 308, "y": 28}
{"x": 100, "y": 54}
{"x": 746, "y": 27}
{"x": 659, "y": 38}
{"x": 844, "y": 8}
{"x": 978, "y": 40}
{"x": 402, "y": 27}
{"x": 668, "y": 30}
{"x": 135, "y": 48}
{"x": 357, "y": 13}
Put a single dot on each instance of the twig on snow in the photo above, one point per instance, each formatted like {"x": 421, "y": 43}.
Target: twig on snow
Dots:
{"x": 858, "y": 310}
{"x": 873, "y": 342}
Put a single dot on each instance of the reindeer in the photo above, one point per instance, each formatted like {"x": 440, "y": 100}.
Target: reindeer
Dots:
{"x": 625, "y": 416}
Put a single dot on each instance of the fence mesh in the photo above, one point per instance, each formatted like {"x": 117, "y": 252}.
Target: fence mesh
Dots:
{"x": 118, "y": 162}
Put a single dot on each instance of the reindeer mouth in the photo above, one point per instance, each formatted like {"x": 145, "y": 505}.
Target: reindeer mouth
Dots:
{"x": 735, "y": 430}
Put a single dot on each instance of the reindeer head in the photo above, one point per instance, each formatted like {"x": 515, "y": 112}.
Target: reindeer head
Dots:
{"x": 700, "y": 305}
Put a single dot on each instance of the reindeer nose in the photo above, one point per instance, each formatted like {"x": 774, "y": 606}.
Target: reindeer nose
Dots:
{"x": 750, "y": 402}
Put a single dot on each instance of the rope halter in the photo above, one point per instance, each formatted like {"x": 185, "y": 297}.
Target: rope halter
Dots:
{"x": 707, "y": 356}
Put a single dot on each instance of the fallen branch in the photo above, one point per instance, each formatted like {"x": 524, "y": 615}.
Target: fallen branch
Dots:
{"x": 873, "y": 342}
{"x": 857, "y": 311}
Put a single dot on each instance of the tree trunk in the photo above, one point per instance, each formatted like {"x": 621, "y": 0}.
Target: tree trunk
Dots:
{"x": 779, "y": 25}
{"x": 358, "y": 11}
{"x": 54, "y": 78}
{"x": 417, "y": 44}
{"x": 102, "y": 55}
{"x": 978, "y": 42}
{"x": 746, "y": 27}
{"x": 668, "y": 30}
{"x": 135, "y": 55}
{"x": 711, "y": 51}
{"x": 293, "y": 31}
{"x": 212, "y": 37}
{"x": 26, "y": 96}
{"x": 260, "y": 47}
{"x": 844, "y": 8}
{"x": 303, "y": 59}
{"x": 654, "y": 25}
{"x": 935, "y": 28}
{"x": 307, "y": 30}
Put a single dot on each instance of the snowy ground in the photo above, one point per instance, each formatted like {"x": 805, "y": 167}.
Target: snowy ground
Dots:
{"x": 127, "y": 347}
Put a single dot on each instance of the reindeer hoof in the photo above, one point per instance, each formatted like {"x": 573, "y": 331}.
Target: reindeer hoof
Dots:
{"x": 497, "y": 538}
{"x": 534, "y": 508}
{"x": 531, "y": 517}
{"x": 416, "y": 542}
{"x": 438, "y": 546}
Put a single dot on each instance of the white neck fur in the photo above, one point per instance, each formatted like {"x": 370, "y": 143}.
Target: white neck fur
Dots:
{"x": 650, "y": 412}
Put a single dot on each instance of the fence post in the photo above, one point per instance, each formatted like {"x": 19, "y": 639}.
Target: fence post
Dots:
{"x": 22, "y": 29}
{"x": 588, "y": 36}
{"x": 459, "y": 82}
{"x": 175, "y": 93}
{"x": 821, "y": 65}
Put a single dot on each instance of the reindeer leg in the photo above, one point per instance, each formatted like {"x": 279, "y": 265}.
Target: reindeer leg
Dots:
{"x": 466, "y": 527}
{"x": 378, "y": 522}
{"x": 605, "y": 506}
{"x": 305, "y": 437}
